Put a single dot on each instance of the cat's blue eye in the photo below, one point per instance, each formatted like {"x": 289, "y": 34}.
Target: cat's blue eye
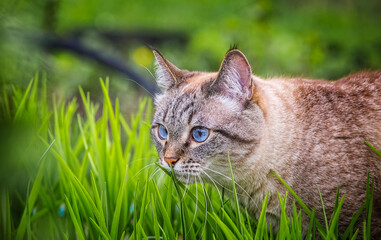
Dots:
{"x": 200, "y": 134}
{"x": 163, "y": 134}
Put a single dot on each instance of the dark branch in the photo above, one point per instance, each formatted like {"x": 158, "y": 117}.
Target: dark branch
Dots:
{"x": 55, "y": 43}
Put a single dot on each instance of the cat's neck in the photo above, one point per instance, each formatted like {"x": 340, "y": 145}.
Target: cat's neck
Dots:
{"x": 273, "y": 151}
{"x": 279, "y": 130}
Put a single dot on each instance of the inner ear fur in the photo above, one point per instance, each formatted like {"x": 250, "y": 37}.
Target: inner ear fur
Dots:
{"x": 234, "y": 76}
{"x": 167, "y": 73}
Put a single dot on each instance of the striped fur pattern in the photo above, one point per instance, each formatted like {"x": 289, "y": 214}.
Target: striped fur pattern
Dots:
{"x": 310, "y": 132}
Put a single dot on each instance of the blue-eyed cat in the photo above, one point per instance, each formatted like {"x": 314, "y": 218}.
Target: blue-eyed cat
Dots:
{"x": 310, "y": 132}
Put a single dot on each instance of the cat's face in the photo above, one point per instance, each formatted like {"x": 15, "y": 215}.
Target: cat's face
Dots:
{"x": 202, "y": 118}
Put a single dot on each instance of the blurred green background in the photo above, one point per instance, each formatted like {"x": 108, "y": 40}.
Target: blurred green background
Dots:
{"x": 315, "y": 39}
{"x": 324, "y": 39}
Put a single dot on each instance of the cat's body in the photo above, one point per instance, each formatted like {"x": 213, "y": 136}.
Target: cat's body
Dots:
{"x": 315, "y": 139}
{"x": 310, "y": 132}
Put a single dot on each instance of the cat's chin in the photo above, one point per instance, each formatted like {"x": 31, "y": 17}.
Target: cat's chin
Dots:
{"x": 185, "y": 175}
{"x": 187, "y": 178}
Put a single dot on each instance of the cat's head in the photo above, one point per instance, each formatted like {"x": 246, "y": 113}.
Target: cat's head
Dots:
{"x": 202, "y": 118}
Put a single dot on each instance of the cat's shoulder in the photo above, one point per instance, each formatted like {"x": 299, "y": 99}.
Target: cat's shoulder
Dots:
{"x": 357, "y": 81}
{"x": 362, "y": 78}
{"x": 362, "y": 86}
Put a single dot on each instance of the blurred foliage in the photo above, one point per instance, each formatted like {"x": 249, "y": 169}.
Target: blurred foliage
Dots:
{"x": 23, "y": 118}
{"x": 315, "y": 39}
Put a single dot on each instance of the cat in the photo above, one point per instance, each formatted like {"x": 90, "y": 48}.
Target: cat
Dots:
{"x": 310, "y": 132}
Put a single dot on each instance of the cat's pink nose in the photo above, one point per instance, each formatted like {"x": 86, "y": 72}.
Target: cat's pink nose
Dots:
{"x": 171, "y": 160}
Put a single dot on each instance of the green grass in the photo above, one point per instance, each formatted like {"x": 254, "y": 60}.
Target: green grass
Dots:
{"x": 95, "y": 177}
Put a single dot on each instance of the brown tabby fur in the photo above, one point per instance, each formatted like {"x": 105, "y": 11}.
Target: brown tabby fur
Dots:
{"x": 310, "y": 132}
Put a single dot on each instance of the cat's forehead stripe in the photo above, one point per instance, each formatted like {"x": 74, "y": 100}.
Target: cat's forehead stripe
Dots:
{"x": 181, "y": 108}
{"x": 196, "y": 81}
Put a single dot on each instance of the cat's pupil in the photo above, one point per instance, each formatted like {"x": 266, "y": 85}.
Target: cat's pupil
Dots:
{"x": 200, "y": 134}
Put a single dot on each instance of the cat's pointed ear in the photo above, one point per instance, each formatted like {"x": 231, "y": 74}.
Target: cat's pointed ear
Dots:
{"x": 167, "y": 74}
{"x": 234, "y": 76}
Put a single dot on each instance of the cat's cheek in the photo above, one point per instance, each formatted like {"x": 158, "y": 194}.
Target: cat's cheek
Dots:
{"x": 212, "y": 147}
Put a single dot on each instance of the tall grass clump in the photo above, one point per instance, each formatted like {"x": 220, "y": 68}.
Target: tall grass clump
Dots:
{"x": 73, "y": 169}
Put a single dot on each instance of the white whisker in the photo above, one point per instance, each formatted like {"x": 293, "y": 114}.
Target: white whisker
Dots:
{"x": 153, "y": 76}
{"x": 149, "y": 165}
{"x": 206, "y": 203}
{"x": 154, "y": 173}
{"x": 145, "y": 158}
{"x": 219, "y": 193}
{"x": 161, "y": 174}
{"x": 140, "y": 85}
{"x": 186, "y": 187}
{"x": 248, "y": 195}
{"x": 195, "y": 212}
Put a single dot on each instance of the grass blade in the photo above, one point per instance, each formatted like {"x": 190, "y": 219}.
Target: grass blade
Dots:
{"x": 32, "y": 196}
{"x": 228, "y": 233}
{"x": 325, "y": 216}
{"x": 238, "y": 212}
{"x": 76, "y": 223}
{"x": 262, "y": 224}
{"x": 300, "y": 202}
{"x": 373, "y": 148}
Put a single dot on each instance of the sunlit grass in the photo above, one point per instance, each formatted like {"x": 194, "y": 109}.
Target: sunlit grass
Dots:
{"x": 96, "y": 177}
